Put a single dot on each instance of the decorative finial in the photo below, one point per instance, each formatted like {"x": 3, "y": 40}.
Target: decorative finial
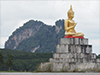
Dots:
{"x": 70, "y": 7}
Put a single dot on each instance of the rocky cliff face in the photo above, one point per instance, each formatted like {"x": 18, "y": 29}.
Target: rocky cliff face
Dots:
{"x": 28, "y": 30}
{"x": 31, "y": 34}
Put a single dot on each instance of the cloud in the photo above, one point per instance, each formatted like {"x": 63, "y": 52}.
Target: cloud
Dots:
{"x": 15, "y": 13}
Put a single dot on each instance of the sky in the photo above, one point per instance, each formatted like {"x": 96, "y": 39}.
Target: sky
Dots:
{"x": 14, "y": 13}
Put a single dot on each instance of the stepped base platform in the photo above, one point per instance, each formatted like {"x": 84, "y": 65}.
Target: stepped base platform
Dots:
{"x": 71, "y": 54}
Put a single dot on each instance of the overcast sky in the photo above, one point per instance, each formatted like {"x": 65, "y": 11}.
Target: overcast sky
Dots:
{"x": 14, "y": 13}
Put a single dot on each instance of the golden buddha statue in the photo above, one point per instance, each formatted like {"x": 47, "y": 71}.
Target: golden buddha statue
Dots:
{"x": 70, "y": 25}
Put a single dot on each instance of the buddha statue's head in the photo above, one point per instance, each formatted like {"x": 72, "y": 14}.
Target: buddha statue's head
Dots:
{"x": 70, "y": 12}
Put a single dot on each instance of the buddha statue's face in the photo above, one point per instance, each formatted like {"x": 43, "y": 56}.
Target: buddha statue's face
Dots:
{"x": 71, "y": 15}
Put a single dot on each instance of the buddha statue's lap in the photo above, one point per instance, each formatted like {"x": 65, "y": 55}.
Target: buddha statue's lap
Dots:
{"x": 70, "y": 25}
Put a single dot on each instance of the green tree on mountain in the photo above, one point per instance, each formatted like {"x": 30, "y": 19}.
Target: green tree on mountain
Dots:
{"x": 1, "y": 59}
{"x": 9, "y": 61}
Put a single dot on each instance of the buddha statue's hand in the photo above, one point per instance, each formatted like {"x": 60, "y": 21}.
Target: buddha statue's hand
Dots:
{"x": 71, "y": 27}
{"x": 74, "y": 25}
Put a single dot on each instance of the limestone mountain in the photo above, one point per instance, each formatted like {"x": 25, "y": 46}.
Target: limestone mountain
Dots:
{"x": 35, "y": 36}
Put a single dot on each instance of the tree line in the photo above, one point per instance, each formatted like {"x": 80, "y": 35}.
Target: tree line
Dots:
{"x": 9, "y": 61}
{"x": 14, "y": 60}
